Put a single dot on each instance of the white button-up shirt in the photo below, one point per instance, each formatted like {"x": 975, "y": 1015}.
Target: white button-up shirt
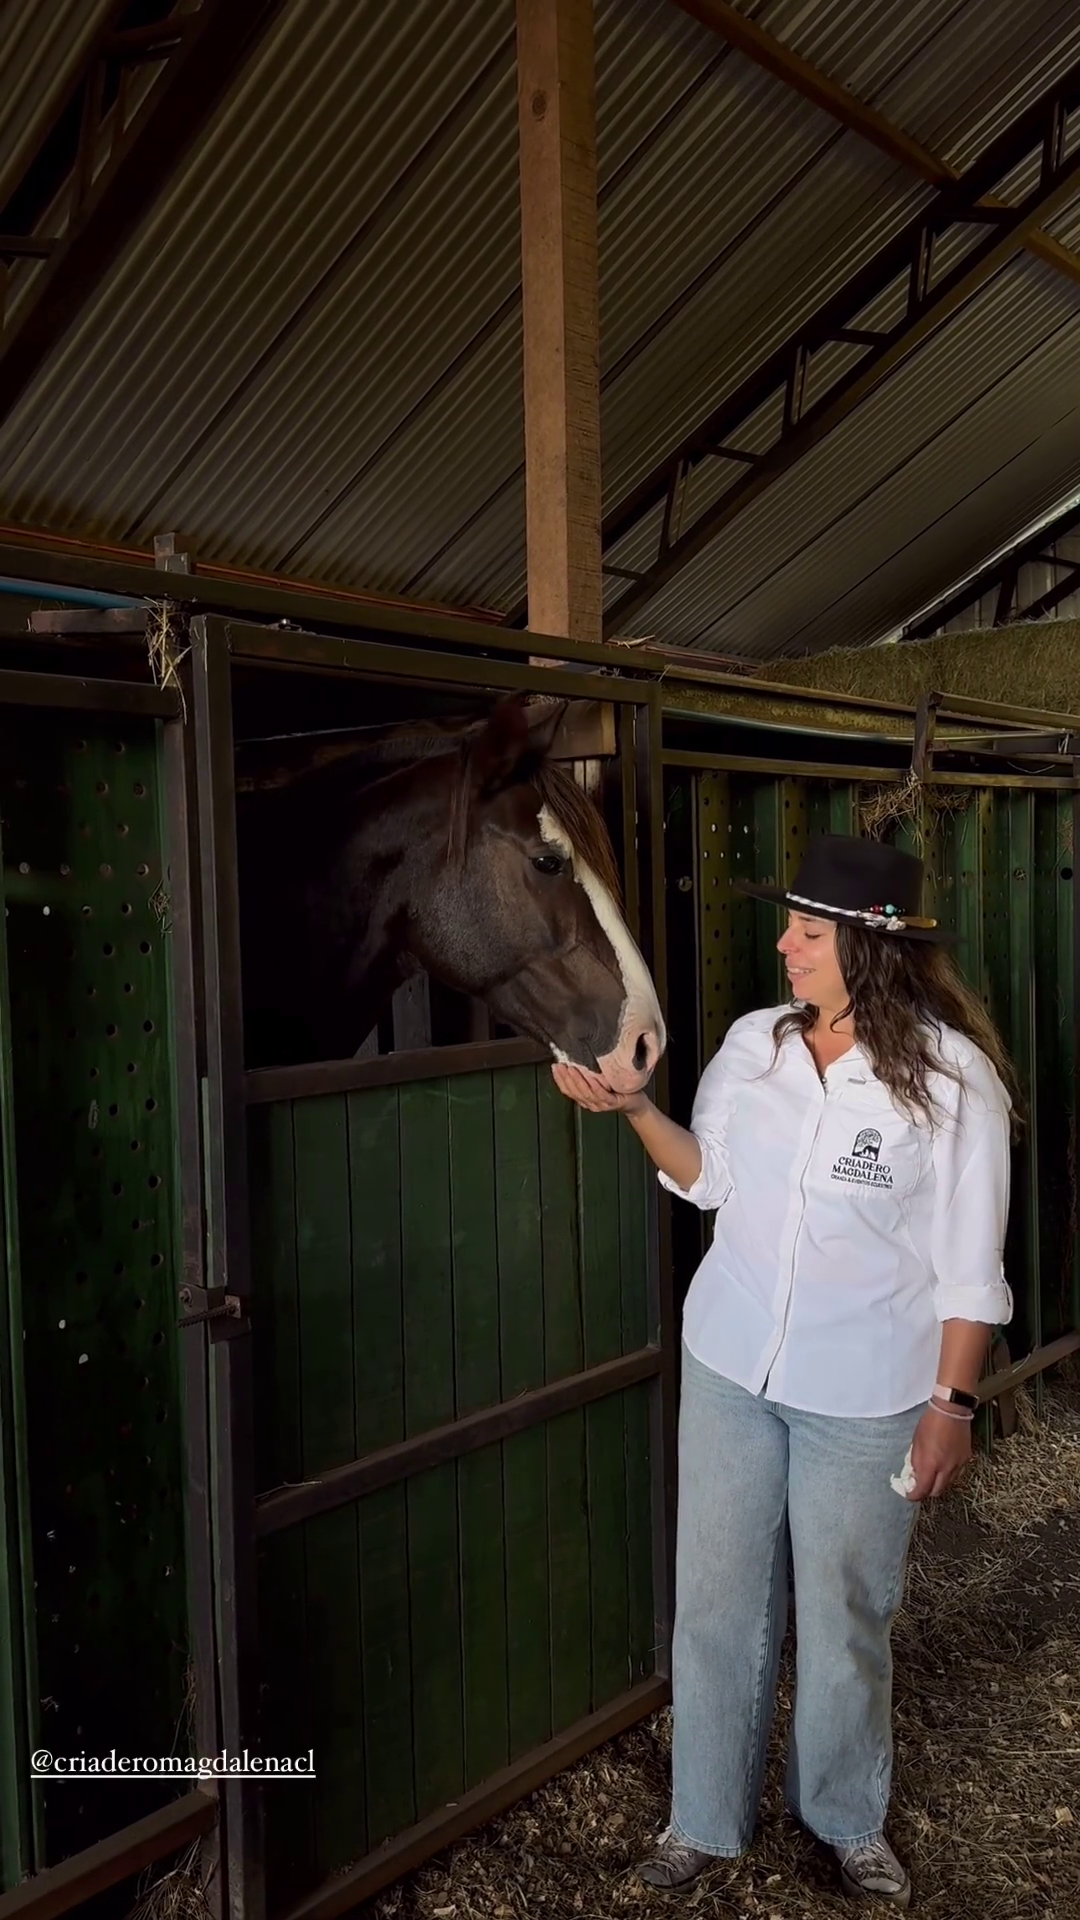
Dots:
{"x": 845, "y": 1231}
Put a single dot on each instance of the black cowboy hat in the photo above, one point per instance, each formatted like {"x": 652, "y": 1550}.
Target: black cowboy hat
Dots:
{"x": 862, "y": 882}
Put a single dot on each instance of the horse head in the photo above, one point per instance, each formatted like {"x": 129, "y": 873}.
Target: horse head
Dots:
{"x": 478, "y": 859}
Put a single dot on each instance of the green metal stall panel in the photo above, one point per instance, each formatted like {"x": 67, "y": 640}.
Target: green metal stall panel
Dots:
{"x": 999, "y": 874}
{"x": 90, "y": 1379}
{"x": 425, "y": 1252}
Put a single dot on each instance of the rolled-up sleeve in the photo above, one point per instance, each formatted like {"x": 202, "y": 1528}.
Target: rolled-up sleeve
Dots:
{"x": 709, "y": 1125}
{"x": 971, "y": 1200}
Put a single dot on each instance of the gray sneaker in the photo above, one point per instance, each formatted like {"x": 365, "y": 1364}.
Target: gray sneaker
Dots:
{"x": 674, "y": 1863}
{"x": 873, "y": 1872}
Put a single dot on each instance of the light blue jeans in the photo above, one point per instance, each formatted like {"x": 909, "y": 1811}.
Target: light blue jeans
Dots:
{"x": 755, "y": 1477}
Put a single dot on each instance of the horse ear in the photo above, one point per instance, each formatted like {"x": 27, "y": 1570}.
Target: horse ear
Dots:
{"x": 516, "y": 739}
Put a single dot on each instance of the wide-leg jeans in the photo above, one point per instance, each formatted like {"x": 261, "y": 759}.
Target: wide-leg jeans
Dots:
{"x": 755, "y": 1478}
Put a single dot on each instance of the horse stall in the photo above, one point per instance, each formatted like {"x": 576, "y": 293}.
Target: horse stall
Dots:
{"x": 337, "y": 1388}
{"x": 444, "y": 1481}
{"x": 343, "y": 1422}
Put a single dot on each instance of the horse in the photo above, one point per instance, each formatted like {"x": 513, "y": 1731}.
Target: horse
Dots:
{"x": 467, "y": 853}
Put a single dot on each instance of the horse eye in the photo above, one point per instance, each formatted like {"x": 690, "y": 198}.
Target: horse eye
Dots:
{"x": 549, "y": 863}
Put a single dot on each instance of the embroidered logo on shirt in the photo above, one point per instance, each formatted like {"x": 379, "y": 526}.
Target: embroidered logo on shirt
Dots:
{"x": 862, "y": 1166}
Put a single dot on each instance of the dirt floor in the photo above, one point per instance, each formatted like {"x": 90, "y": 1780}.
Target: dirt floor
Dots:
{"x": 986, "y": 1798}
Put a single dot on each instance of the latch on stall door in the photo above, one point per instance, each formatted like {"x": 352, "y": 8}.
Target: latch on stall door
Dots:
{"x": 207, "y": 1303}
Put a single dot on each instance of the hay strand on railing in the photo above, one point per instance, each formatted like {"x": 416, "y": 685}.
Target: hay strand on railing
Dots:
{"x": 909, "y": 802}
{"x": 165, "y": 633}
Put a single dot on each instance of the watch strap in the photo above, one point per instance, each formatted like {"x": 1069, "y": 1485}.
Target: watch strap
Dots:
{"x": 956, "y": 1396}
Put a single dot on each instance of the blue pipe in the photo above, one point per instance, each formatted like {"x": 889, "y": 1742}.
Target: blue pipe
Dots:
{"x": 77, "y": 596}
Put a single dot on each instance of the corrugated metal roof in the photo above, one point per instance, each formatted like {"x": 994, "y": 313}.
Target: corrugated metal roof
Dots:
{"x": 804, "y": 564}
{"x": 309, "y": 357}
{"x": 41, "y": 47}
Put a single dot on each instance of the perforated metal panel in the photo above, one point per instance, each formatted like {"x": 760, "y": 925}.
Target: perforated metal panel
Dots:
{"x": 88, "y": 939}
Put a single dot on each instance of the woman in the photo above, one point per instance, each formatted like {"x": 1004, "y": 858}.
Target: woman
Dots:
{"x": 855, "y": 1147}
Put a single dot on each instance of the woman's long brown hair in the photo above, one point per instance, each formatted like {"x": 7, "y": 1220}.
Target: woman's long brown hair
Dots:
{"x": 897, "y": 991}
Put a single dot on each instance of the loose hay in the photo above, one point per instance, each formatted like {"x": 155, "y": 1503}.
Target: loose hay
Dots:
{"x": 908, "y": 802}
{"x": 986, "y": 1799}
{"x": 165, "y": 651}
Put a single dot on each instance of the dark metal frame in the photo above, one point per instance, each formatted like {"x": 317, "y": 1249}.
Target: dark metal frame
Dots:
{"x": 782, "y": 383}
{"x": 59, "y": 1889}
{"x": 200, "y": 54}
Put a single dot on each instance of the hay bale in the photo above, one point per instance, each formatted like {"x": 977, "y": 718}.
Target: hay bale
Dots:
{"x": 1026, "y": 665}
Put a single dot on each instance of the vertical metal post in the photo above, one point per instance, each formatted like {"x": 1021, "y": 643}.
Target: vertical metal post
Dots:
{"x": 181, "y": 860}
{"x": 230, "y": 1355}
{"x": 648, "y": 764}
{"x": 21, "y": 1815}
{"x": 1074, "y": 1192}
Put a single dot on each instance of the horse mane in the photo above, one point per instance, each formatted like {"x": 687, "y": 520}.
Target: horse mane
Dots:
{"x": 338, "y": 752}
{"x": 578, "y": 816}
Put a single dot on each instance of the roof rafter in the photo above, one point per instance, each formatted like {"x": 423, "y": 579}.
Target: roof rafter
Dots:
{"x": 1003, "y": 574}
{"x": 833, "y": 98}
{"x": 904, "y": 267}
{"x": 100, "y": 164}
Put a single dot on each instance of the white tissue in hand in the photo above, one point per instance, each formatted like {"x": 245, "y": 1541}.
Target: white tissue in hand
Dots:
{"x": 904, "y": 1481}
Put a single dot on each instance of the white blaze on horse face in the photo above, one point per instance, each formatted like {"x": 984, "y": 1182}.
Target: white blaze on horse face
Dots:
{"x": 641, "y": 1019}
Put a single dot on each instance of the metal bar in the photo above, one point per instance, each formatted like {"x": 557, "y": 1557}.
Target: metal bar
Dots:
{"x": 128, "y": 41}
{"x": 1049, "y": 601}
{"x": 210, "y": 589}
{"x": 925, "y": 723}
{"x": 288, "y": 1506}
{"x": 663, "y": 1411}
{"x": 228, "y": 1266}
{"x": 265, "y": 1084}
{"x": 20, "y": 1799}
{"x": 178, "y": 785}
{"x": 41, "y": 590}
{"x": 196, "y": 77}
{"x": 346, "y": 1891}
{"x": 1020, "y": 831}
{"x": 952, "y": 205}
{"x": 328, "y": 654}
{"x": 741, "y": 763}
{"x": 62, "y": 1888}
{"x": 18, "y": 689}
{"x": 22, "y": 246}
{"x": 1075, "y": 984}
{"x": 1009, "y": 577}
{"x": 962, "y": 706}
{"x": 736, "y": 763}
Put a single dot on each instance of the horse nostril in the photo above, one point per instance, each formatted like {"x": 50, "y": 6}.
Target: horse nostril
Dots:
{"x": 641, "y": 1053}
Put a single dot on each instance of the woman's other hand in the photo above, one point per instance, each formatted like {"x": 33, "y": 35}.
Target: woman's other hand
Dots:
{"x": 940, "y": 1451}
{"x": 590, "y": 1092}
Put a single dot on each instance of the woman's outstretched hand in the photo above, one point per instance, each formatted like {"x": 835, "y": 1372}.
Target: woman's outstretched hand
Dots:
{"x": 591, "y": 1093}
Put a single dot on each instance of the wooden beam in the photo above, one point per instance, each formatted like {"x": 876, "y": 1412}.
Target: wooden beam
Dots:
{"x": 833, "y": 98}
{"x": 561, "y": 327}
